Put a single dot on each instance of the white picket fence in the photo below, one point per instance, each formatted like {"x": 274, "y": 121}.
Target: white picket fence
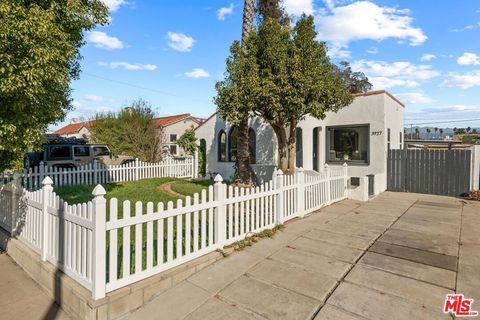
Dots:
{"x": 136, "y": 243}
{"x": 99, "y": 173}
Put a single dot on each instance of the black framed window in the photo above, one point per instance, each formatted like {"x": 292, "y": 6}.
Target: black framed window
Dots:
{"x": 222, "y": 146}
{"x": 173, "y": 149}
{"x": 298, "y": 147}
{"x": 252, "y": 146}
{"x": 59, "y": 152}
{"x": 173, "y": 138}
{"x": 83, "y": 151}
{"x": 232, "y": 144}
{"x": 348, "y": 144}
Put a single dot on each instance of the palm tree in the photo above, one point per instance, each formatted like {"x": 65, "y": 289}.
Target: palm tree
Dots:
{"x": 441, "y": 132}
{"x": 417, "y": 133}
{"x": 468, "y": 129}
{"x": 428, "y": 132}
{"x": 436, "y": 130}
{"x": 244, "y": 174}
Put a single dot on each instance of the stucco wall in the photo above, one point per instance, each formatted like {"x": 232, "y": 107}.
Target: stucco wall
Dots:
{"x": 378, "y": 111}
{"x": 178, "y": 128}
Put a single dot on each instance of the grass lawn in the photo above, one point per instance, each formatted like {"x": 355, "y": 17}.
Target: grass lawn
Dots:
{"x": 145, "y": 191}
{"x": 141, "y": 190}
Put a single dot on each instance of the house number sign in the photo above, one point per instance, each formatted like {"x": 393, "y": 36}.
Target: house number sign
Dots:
{"x": 376, "y": 133}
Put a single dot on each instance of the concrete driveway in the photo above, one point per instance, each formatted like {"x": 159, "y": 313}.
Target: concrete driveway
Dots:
{"x": 395, "y": 257}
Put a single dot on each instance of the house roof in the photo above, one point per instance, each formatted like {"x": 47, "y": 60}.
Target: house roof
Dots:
{"x": 371, "y": 93}
{"x": 74, "y": 127}
{"x": 363, "y": 94}
{"x": 161, "y": 121}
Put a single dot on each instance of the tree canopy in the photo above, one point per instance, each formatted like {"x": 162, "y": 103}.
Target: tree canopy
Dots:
{"x": 39, "y": 54}
{"x": 131, "y": 131}
{"x": 284, "y": 75}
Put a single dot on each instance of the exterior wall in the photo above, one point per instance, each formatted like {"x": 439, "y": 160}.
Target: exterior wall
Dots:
{"x": 266, "y": 156}
{"x": 178, "y": 128}
{"x": 379, "y": 111}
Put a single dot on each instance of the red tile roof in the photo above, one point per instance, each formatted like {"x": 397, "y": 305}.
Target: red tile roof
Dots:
{"x": 74, "y": 127}
{"x": 371, "y": 93}
{"x": 162, "y": 121}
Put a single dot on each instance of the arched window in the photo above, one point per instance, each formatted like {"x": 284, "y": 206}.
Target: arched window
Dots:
{"x": 299, "y": 148}
{"x": 203, "y": 158}
{"x": 232, "y": 144}
{"x": 252, "y": 146}
{"x": 222, "y": 146}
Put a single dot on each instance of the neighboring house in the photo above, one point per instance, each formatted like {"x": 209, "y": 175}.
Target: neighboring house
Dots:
{"x": 359, "y": 135}
{"x": 173, "y": 127}
{"x": 76, "y": 129}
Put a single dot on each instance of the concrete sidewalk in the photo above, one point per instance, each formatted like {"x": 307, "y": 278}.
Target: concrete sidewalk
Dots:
{"x": 395, "y": 257}
{"x": 21, "y": 298}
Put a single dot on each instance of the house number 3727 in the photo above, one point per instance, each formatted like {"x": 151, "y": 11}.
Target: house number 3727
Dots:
{"x": 376, "y": 133}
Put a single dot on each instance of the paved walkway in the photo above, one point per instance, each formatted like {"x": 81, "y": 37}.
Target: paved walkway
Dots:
{"x": 21, "y": 298}
{"x": 394, "y": 257}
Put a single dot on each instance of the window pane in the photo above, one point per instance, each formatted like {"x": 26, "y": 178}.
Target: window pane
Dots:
{"x": 81, "y": 151}
{"x": 59, "y": 152}
{"x": 348, "y": 144}
{"x": 173, "y": 149}
{"x": 252, "y": 146}
{"x": 101, "y": 151}
{"x": 222, "y": 146}
{"x": 173, "y": 137}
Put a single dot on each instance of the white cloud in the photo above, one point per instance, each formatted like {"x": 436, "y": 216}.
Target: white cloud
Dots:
{"x": 128, "y": 66}
{"x": 197, "y": 73}
{"x": 414, "y": 97}
{"x": 398, "y": 69}
{"x": 225, "y": 11}
{"x": 113, "y": 5}
{"x": 366, "y": 20}
{"x": 337, "y": 51}
{"x": 462, "y": 80}
{"x": 468, "y": 27}
{"x": 103, "y": 40}
{"x": 469, "y": 58}
{"x": 180, "y": 41}
{"x": 459, "y": 108}
{"x": 372, "y": 50}
{"x": 94, "y": 98}
{"x": 298, "y": 7}
{"x": 386, "y": 82}
{"x": 428, "y": 57}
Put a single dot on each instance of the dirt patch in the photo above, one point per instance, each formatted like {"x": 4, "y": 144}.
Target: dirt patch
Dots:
{"x": 167, "y": 187}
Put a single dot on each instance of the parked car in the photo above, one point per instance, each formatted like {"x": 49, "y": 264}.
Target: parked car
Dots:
{"x": 74, "y": 153}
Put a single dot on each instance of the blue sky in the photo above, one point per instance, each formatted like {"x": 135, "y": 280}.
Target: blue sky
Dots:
{"x": 171, "y": 53}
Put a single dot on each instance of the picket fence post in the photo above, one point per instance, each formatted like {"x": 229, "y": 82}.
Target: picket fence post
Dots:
{"x": 47, "y": 190}
{"x": 220, "y": 226}
{"x": 345, "y": 175}
{"x": 195, "y": 164}
{"x": 15, "y": 188}
{"x": 137, "y": 169}
{"x": 301, "y": 192}
{"x": 279, "y": 201}
{"x": 99, "y": 242}
{"x": 327, "y": 171}
{"x": 41, "y": 172}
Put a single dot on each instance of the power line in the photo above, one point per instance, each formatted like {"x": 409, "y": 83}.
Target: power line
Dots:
{"x": 446, "y": 121}
{"x": 139, "y": 87}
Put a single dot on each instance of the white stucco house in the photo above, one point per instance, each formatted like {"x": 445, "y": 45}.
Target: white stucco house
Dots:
{"x": 359, "y": 135}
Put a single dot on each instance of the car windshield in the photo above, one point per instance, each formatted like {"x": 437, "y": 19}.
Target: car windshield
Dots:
{"x": 101, "y": 151}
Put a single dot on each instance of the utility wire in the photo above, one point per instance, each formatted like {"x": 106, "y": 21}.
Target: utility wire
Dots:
{"x": 139, "y": 87}
{"x": 446, "y": 121}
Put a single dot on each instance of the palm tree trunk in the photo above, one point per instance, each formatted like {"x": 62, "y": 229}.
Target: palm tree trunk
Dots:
{"x": 244, "y": 174}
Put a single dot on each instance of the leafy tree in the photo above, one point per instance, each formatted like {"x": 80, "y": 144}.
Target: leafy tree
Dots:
{"x": 355, "y": 82}
{"x": 188, "y": 142}
{"x": 39, "y": 54}
{"x": 283, "y": 75}
{"x": 131, "y": 131}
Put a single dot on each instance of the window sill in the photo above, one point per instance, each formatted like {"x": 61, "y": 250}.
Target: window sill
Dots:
{"x": 349, "y": 163}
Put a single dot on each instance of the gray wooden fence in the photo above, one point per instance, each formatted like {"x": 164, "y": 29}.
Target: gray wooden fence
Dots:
{"x": 442, "y": 172}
